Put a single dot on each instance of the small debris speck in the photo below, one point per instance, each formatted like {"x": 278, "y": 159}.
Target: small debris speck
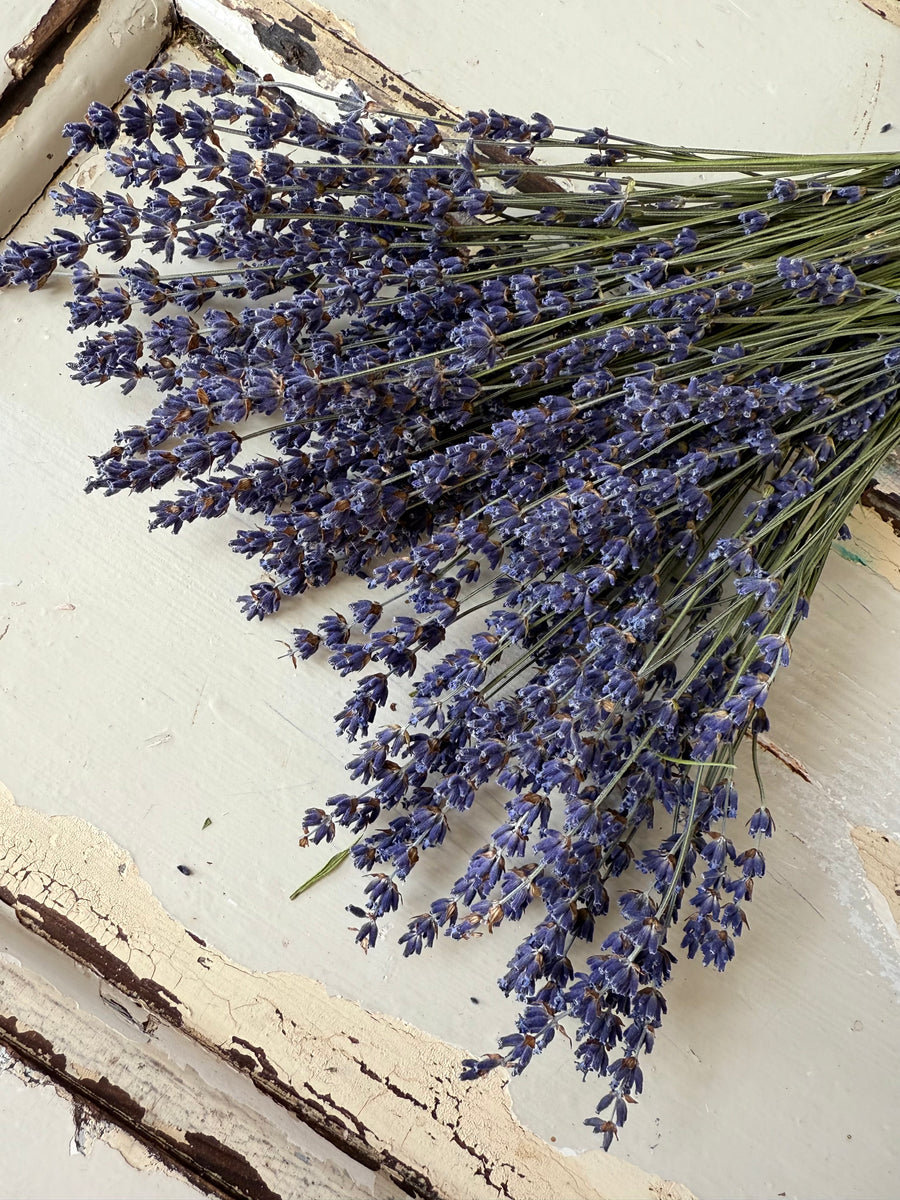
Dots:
{"x": 474, "y": 999}
{"x": 206, "y": 824}
{"x": 886, "y": 127}
{"x": 185, "y": 870}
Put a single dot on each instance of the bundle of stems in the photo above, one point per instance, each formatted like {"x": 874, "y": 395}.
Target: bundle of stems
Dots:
{"x": 615, "y": 398}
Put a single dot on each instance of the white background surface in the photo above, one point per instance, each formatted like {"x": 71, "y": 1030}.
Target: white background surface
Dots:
{"x": 135, "y": 696}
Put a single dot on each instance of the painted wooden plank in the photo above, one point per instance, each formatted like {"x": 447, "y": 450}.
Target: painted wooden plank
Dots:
{"x": 144, "y": 1086}
{"x": 61, "y": 1147}
{"x": 27, "y": 29}
{"x": 104, "y": 43}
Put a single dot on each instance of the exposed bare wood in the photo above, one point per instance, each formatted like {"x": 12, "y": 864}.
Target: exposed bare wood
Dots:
{"x": 880, "y": 856}
{"x": 22, "y": 57}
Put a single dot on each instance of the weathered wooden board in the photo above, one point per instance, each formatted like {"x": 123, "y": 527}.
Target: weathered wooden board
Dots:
{"x": 135, "y": 699}
{"x": 52, "y": 77}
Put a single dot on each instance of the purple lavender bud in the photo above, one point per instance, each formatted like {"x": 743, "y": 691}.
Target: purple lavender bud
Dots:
{"x": 783, "y": 190}
{"x": 211, "y": 81}
{"x": 335, "y": 630}
{"x": 104, "y": 124}
{"x": 592, "y": 137}
{"x": 775, "y": 650}
{"x": 851, "y": 193}
{"x": 477, "y": 1068}
{"x": 136, "y": 119}
{"x": 80, "y": 135}
{"x": 455, "y": 791}
{"x": 761, "y": 823}
{"x": 367, "y": 934}
{"x": 751, "y": 863}
{"x": 383, "y": 895}
{"x": 31, "y": 264}
{"x": 67, "y": 247}
{"x": 753, "y": 220}
{"x": 264, "y": 599}
{"x": 541, "y": 127}
{"x": 717, "y": 949}
{"x": 608, "y": 1129}
{"x": 420, "y": 933}
{"x": 317, "y": 827}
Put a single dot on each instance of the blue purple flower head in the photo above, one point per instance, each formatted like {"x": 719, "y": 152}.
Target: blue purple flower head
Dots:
{"x": 560, "y": 409}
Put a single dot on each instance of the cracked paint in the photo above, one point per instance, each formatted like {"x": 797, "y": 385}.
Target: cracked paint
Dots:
{"x": 163, "y": 1093}
{"x": 21, "y": 58}
{"x": 434, "y": 1136}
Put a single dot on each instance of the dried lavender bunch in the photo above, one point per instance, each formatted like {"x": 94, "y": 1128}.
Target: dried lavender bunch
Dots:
{"x": 622, "y": 418}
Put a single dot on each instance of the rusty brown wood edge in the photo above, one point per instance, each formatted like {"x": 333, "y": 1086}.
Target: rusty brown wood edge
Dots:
{"x": 33, "y": 60}
{"x": 382, "y": 1092}
{"x": 55, "y": 24}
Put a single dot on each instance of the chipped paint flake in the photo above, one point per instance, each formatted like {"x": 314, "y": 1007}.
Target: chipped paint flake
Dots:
{"x": 880, "y": 856}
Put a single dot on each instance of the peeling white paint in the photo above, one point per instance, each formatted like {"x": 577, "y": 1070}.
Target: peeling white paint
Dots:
{"x": 40, "y": 1121}
{"x": 18, "y": 22}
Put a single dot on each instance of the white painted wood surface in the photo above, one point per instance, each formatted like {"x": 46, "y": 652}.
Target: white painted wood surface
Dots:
{"x": 121, "y": 36}
{"x": 777, "y": 74}
{"x": 134, "y": 696}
